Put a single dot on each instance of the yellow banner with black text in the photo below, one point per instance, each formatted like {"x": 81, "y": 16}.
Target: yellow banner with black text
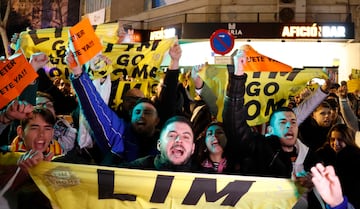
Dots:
{"x": 265, "y": 91}
{"x": 87, "y": 187}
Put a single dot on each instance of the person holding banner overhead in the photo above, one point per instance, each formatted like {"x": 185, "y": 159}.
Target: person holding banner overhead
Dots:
{"x": 277, "y": 154}
{"x": 120, "y": 140}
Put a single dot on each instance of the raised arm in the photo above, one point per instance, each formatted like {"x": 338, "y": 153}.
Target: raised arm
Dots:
{"x": 307, "y": 106}
{"x": 107, "y": 127}
{"x": 235, "y": 112}
{"x": 168, "y": 96}
{"x": 345, "y": 109}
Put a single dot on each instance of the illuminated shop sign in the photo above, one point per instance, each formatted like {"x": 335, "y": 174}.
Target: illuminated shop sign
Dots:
{"x": 234, "y": 30}
{"x": 338, "y": 31}
{"x": 314, "y": 31}
{"x": 162, "y": 34}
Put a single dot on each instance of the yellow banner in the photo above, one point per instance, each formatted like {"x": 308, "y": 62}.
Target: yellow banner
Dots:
{"x": 353, "y": 85}
{"x": 265, "y": 91}
{"x": 87, "y": 187}
{"x": 140, "y": 61}
{"x": 136, "y": 60}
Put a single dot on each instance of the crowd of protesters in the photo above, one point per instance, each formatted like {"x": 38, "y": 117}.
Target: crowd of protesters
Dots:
{"x": 174, "y": 132}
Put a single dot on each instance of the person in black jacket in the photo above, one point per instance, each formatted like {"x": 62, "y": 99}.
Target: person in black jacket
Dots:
{"x": 277, "y": 154}
{"x": 176, "y": 147}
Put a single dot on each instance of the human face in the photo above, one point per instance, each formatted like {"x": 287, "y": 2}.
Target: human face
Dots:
{"x": 322, "y": 116}
{"x": 215, "y": 139}
{"x": 176, "y": 143}
{"x": 285, "y": 127}
{"x": 46, "y": 103}
{"x": 334, "y": 113}
{"x": 37, "y": 134}
{"x": 336, "y": 141}
{"x": 144, "y": 119}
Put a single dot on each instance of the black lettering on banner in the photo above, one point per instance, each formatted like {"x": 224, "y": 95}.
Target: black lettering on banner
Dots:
{"x": 267, "y": 88}
{"x": 152, "y": 73}
{"x": 233, "y": 191}
{"x": 36, "y": 39}
{"x": 6, "y": 88}
{"x": 60, "y": 50}
{"x": 140, "y": 73}
{"x": 137, "y": 58}
{"x": 20, "y": 76}
{"x": 153, "y": 88}
{"x": 255, "y": 91}
{"x": 273, "y": 106}
{"x": 292, "y": 75}
{"x": 161, "y": 189}
{"x": 109, "y": 48}
{"x": 256, "y": 74}
{"x": 129, "y": 46}
{"x": 257, "y": 108}
{"x": 155, "y": 45}
{"x": 123, "y": 60}
{"x": 127, "y": 87}
{"x": 142, "y": 45}
{"x": 272, "y": 74}
{"x": 58, "y": 32}
{"x": 106, "y": 187}
{"x": 7, "y": 67}
{"x": 143, "y": 73}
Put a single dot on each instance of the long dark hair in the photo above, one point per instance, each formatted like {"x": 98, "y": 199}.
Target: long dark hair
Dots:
{"x": 348, "y": 134}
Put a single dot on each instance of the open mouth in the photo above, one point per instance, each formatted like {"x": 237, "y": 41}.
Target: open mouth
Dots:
{"x": 177, "y": 151}
{"x": 289, "y": 136}
{"x": 39, "y": 145}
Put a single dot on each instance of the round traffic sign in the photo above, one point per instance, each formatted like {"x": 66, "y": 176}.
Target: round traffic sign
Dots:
{"x": 222, "y": 41}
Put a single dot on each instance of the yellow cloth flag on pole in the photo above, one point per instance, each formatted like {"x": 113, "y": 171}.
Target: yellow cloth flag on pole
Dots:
{"x": 88, "y": 187}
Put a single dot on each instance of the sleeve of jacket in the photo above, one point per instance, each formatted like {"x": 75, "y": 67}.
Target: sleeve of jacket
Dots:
{"x": 348, "y": 114}
{"x": 210, "y": 99}
{"x": 235, "y": 112}
{"x": 106, "y": 126}
{"x": 167, "y": 99}
{"x": 307, "y": 106}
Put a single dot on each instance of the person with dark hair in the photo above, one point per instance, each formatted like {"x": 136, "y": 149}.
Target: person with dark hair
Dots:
{"x": 313, "y": 131}
{"x": 212, "y": 151}
{"x": 129, "y": 100}
{"x": 175, "y": 145}
{"x": 279, "y": 153}
{"x": 37, "y": 131}
{"x": 117, "y": 139}
{"x": 342, "y": 152}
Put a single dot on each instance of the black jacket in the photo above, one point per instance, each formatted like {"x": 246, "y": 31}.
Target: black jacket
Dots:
{"x": 256, "y": 154}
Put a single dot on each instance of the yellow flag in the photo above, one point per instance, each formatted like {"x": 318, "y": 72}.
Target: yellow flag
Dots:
{"x": 88, "y": 187}
{"x": 265, "y": 91}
